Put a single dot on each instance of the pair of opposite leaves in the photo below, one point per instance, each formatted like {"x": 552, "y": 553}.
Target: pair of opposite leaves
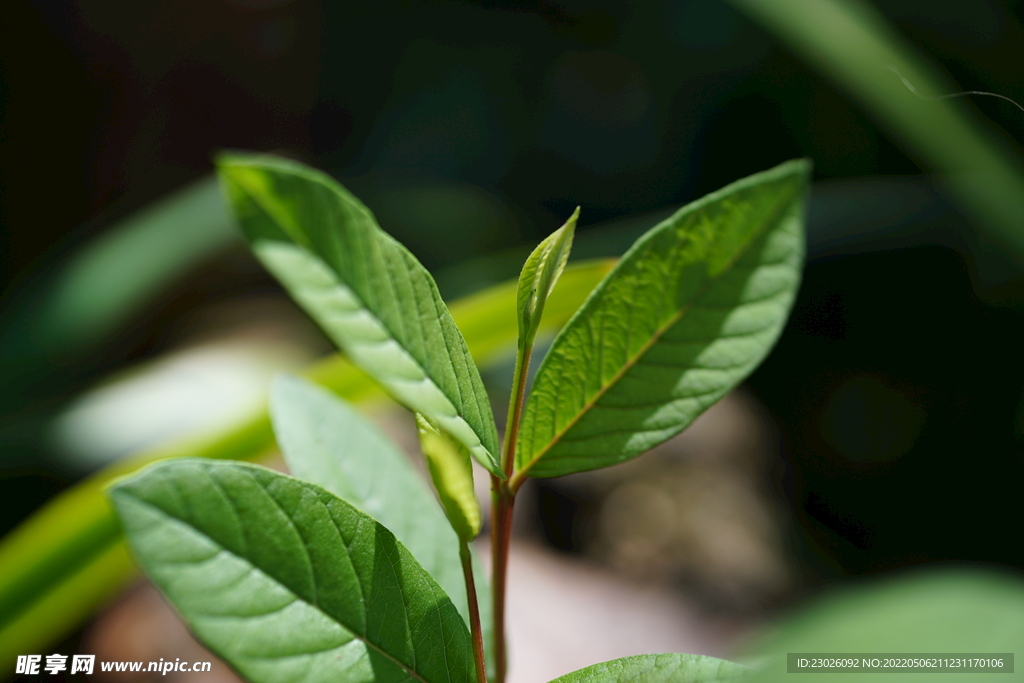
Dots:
{"x": 686, "y": 314}
{"x": 222, "y": 539}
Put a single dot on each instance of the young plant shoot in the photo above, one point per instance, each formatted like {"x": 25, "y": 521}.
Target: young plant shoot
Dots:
{"x": 353, "y": 570}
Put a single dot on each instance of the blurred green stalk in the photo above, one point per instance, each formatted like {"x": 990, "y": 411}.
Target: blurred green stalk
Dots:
{"x": 856, "y": 48}
{"x": 114, "y": 276}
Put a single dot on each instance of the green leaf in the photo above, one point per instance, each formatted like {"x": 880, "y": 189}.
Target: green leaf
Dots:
{"x": 947, "y": 610}
{"x": 286, "y": 581}
{"x": 666, "y": 668}
{"x": 540, "y": 273}
{"x": 452, "y": 473}
{"x": 687, "y": 314}
{"x": 369, "y": 294}
{"x": 327, "y": 442}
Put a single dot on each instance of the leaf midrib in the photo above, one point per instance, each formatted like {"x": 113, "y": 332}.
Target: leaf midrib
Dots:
{"x": 334, "y": 620}
{"x": 520, "y": 476}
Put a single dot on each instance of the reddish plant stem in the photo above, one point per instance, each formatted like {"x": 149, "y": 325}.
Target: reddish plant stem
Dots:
{"x": 501, "y": 536}
{"x": 475, "y": 631}
{"x": 502, "y": 503}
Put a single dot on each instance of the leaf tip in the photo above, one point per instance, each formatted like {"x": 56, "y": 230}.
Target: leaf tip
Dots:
{"x": 492, "y": 466}
{"x": 228, "y": 160}
{"x": 802, "y": 166}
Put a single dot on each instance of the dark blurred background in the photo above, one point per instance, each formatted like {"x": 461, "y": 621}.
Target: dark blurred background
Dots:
{"x": 474, "y": 128}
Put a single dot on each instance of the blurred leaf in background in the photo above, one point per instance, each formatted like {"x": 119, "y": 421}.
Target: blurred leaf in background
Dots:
{"x": 933, "y": 611}
{"x": 113, "y": 277}
{"x": 856, "y": 48}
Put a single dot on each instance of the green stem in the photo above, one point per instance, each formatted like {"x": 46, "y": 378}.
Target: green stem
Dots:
{"x": 501, "y": 535}
{"x": 474, "y": 613}
{"x": 515, "y": 408}
{"x": 502, "y": 503}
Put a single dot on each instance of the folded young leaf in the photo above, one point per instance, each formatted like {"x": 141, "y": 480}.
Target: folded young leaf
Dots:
{"x": 452, "y": 473}
{"x": 667, "y": 668}
{"x": 540, "y": 273}
{"x": 368, "y": 293}
{"x": 689, "y": 311}
{"x": 287, "y": 582}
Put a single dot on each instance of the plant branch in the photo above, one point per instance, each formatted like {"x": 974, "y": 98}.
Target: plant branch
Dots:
{"x": 502, "y": 502}
{"x": 501, "y": 536}
{"x": 475, "y": 632}
{"x": 515, "y": 408}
